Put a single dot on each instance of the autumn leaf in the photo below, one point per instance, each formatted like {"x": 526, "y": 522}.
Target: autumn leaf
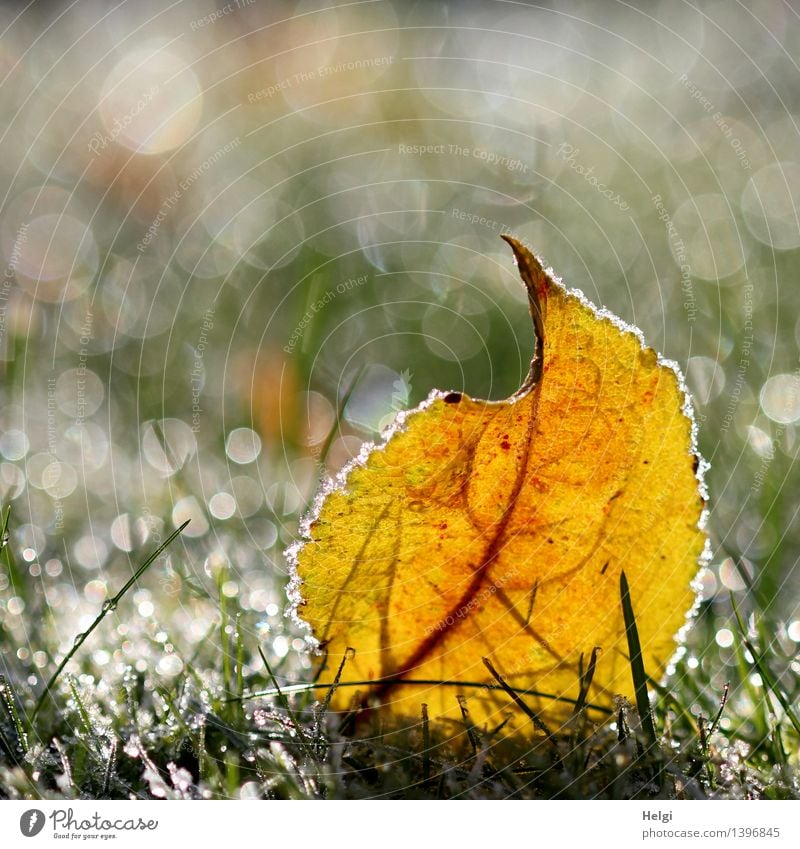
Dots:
{"x": 499, "y": 530}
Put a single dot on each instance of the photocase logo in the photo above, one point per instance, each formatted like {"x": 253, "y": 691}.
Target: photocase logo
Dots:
{"x": 65, "y": 825}
{"x": 31, "y": 822}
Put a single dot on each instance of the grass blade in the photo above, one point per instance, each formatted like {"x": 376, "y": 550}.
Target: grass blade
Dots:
{"x": 586, "y": 681}
{"x": 284, "y": 701}
{"x": 108, "y": 606}
{"x": 637, "y": 664}
{"x": 8, "y": 699}
{"x": 766, "y": 675}
{"x": 722, "y": 702}
{"x": 532, "y": 715}
{"x": 341, "y": 407}
{"x": 426, "y": 745}
{"x": 422, "y": 682}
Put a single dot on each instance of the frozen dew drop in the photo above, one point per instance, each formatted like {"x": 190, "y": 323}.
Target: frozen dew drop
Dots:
{"x": 53, "y": 567}
{"x": 121, "y": 532}
{"x": 319, "y": 417}
{"x": 59, "y": 480}
{"x": 189, "y": 509}
{"x": 14, "y": 444}
{"x": 760, "y": 442}
{"x": 770, "y": 204}
{"x": 780, "y": 398}
{"x": 222, "y": 505}
{"x": 250, "y": 790}
{"x": 708, "y": 581}
{"x": 15, "y": 605}
{"x": 90, "y": 552}
{"x": 730, "y": 577}
{"x": 101, "y": 657}
{"x": 705, "y": 377}
{"x": 151, "y": 101}
{"x": 263, "y": 532}
{"x": 12, "y": 482}
{"x": 243, "y": 445}
{"x": 79, "y": 393}
{"x": 181, "y": 778}
{"x": 167, "y": 445}
{"x": 169, "y": 666}
{"x": 58, "y": 258}
{"x": 95, "y": 591}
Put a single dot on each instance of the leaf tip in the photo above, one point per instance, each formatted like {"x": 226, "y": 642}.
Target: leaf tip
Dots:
{"x": 537, "y": 282}
{"x": 530, "y": 268}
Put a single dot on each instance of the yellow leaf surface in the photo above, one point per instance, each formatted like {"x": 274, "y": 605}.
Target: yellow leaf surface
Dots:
{"x": 499, "y": 530}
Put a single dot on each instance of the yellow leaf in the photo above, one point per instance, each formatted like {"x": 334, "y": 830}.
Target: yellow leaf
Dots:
{"x": 498, "y": 530}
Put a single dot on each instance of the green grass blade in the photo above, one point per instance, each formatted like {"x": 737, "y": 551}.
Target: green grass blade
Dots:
{"x": 239, "y": 658}
{"x": 424, "y": 682}
{"x": 586, "y": 681}
{"x": 637, "y": 663}
{"x": 8, "y": 698}
{"x": 284, "y": 701}
{"x": 766, "y": 675}
{"x": 108, "y": 606}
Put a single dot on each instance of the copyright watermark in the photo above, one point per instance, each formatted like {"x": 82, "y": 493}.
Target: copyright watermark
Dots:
{"x": 318, "y": 305}
{"x": 316, "y": 74}
{"x": 481, "y": 154}
{"x": 569, "y": 153}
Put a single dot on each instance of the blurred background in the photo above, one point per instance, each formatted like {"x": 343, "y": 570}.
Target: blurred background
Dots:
{"x": 238, "y": 237}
